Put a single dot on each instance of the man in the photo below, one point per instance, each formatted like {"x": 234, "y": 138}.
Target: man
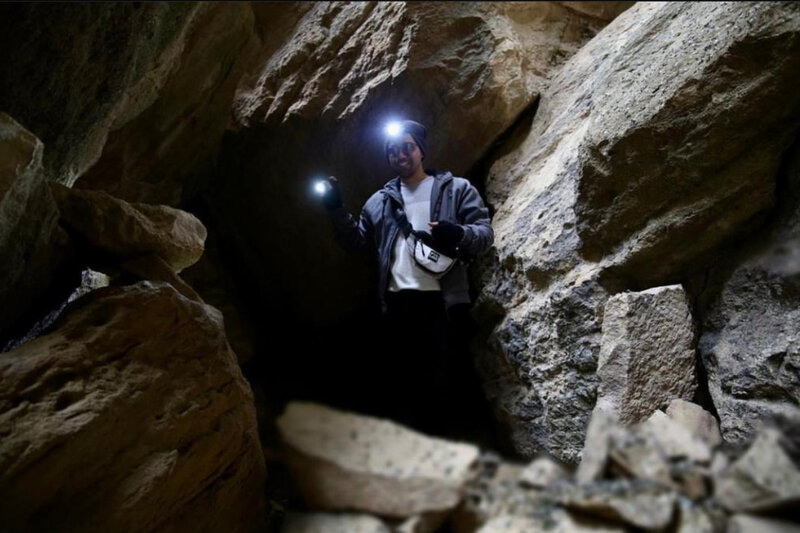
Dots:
{"x": 427, "y": 319}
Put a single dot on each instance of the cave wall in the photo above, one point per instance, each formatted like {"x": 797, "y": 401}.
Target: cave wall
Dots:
{"x": 655, "y": 147}
{"x": 625, "y": 152}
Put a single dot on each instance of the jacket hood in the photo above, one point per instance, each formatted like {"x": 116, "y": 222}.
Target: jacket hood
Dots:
{"x": 392, "y": 187}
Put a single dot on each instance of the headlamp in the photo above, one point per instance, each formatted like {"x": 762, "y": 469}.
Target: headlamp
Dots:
{"x": 393, "y": 129}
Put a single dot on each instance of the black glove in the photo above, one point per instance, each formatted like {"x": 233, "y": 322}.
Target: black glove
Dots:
{"x": 447, "y": 235}
{"x": 332, "y": 199}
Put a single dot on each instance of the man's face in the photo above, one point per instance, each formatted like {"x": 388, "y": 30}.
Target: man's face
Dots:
{"x": 404, "y": 155}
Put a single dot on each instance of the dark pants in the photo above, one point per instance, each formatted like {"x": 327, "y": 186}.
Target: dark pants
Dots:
{"x": 430, "y": 378}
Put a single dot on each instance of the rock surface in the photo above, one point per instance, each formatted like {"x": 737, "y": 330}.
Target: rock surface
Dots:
{"x": 654, "y": 144}
{"x": 674, "y": 439}
{"x": 646, "y": 352}
{"x": 542, "y": 472}
{"x": 696, "y": 420}
{"x": 641, "y": 504}
{"x": 131, "y": 415}
{"x": 764, "y": 478}
{"x": 72, "y": 96}
{"x": 750, "y": 345}
{"x": 332, "y": 523}
{"x": 189, "y": 113}
{"x": 344, "y": 461}
{"x": 742, "y": 523}
{"x": 30, "y": 240}
{"x": 557, "y": 522}
{"x": 132, "y": 229}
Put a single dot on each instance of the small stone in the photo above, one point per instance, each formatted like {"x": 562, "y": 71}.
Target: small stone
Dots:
{"x": 763, "y": 478}
{"x": 675, "y": 440}
{"x": 697, "y": 420}
{"x": 743, "y": 523}
{"x": 542, "y": 472}
{"x": 332, "y": 523}
{"x": 639, "y": 503}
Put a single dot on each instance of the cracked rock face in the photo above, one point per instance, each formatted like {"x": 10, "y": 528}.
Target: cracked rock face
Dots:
{"x": 72, "y": 96}
{"x": 750, "y": 346}
{"x": 635, "y": 170}
{"x": 131, "y": 415}
{"x": 30, "y": 240}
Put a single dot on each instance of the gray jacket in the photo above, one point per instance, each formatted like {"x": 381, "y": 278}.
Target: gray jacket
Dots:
{"x": 452, "y": 199}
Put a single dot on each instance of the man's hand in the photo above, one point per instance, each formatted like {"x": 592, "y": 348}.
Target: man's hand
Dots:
{"x": 332, "y": 199}
{"x": 447, "y": 234}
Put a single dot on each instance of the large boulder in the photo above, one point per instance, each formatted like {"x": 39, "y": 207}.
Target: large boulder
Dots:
{"x": 127, "y": 230}
{"x": 344, "y": 461}
{"x": 132, "y": 415}
{"x": 30, "y": 239}
{"x": 653, "y": 146}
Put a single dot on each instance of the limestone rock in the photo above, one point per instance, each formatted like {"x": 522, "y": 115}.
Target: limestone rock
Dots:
{"x": 342, "y": 461}
{"x": 131, "y": 415}
{"x": 332, "y": 523}
{"x": 763, "y": 478}
{"x": 495, "y": 491}
{"x": 539, "y": 362}
{"x": 750, "y": 345}
{"x": 90, "y": 281}
{"x": 491, "y": 59}
{"x": 697, "y": 420}
{"x": 646, "y": 353}
{"x": 543, "y": 471}
{"x": 635, "y": 455}
{"x": 652, "y": 146}
{"x": 71, "y": 97}
{"x": 675, "y": 440}
{"x": 29, "y": 235}
{"x": 668, "y": 171}
{"x": 188, "y": 115}
{"x": 693, "y": 519}
{"x": 556, "y": 522}
{"x": 152, "y": 267}
{"x": 603, "y": 427}
{"x": 743, "y": 523}
{"x": 639, "y": 503}
{"x": 128, "y": 230}
{"x": 422, "y": 523}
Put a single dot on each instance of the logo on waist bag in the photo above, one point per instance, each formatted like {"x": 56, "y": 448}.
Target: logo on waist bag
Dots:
{"x": 433, "y": 256}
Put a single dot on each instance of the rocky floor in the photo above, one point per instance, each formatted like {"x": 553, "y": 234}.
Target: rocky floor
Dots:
{"x": 344, "y": 472}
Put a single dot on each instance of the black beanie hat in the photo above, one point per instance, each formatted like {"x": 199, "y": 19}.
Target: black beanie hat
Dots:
{"x": 417, "y": 131}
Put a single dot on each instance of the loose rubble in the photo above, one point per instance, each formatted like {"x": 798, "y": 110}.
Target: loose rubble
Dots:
{"x": 670, "y": 472}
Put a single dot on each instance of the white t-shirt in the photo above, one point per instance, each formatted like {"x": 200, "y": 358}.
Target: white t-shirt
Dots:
{"x": 405, "y": 273}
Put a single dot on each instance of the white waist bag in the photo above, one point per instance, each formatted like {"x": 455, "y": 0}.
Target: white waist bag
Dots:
{"x": 427, "y": 258}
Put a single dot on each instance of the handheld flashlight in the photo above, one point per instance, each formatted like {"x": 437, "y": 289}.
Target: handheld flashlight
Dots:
{"x": 321, "y": 186}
